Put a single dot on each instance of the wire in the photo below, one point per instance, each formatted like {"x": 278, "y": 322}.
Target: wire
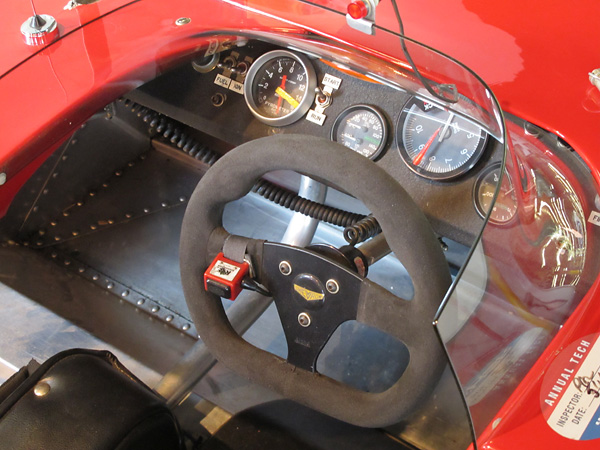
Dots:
{"x": 449, "y": 89}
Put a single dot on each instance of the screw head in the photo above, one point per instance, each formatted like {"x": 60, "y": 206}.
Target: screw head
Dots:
{"x": 304, "y": 320}
{"x": 182, "y": 21}
{"x": 285, "y": 268}
{"x": 332, "y": 286}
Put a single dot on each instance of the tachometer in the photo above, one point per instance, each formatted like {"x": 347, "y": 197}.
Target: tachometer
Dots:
{"x": 361, "y": 128}
{"x": 280, "y": 87}
{"x": 436, "y": 143}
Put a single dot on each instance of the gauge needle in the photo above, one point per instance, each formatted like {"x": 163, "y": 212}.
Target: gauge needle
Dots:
{"x": 446, "y": 125}
{"x": 417, "y": 159}
{"x": 283, "y": 80}
{"x": 287, "y": 97}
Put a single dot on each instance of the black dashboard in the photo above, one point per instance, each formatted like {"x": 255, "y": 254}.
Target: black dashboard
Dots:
{"x": 208, "y": 96}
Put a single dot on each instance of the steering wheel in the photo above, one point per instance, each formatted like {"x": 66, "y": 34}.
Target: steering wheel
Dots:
{"x": 327, "y": 292}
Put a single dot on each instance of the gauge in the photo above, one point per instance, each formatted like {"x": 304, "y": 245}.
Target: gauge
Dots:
{"x": 361, "y": 128}
{"x": 280, "y": 87}
{"x": 505, "y": 207}
{"x": 436, "y": 143}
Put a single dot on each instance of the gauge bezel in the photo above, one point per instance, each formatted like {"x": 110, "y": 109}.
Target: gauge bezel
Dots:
{"x": 305, "y": 103}
{"x": 422, "y": 172}
{"x": 380, "y": 116}
{"x": 476, "y": 202}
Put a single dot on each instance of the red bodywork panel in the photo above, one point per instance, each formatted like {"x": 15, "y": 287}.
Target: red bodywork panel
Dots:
{"x": 535, "y": 56}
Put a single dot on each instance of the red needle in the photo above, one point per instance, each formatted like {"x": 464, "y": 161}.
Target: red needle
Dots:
{"x": 417, "y": 159}
{"x": 282, "y": 87}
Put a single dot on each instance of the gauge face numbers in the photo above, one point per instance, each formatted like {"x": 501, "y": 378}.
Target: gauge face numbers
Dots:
{"x": 363, "y": 129}
{"x": 280, "y": 87}
{"x": 505, "y": 207}
{"x": 436, "y": 143}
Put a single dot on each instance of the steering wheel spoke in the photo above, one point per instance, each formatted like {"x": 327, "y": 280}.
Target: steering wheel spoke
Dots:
{"x": 379, "y": 308}
{"x": 313, "y": 295}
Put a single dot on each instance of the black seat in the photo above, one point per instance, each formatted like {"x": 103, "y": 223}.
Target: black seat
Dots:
{"x": 83, "y": 399}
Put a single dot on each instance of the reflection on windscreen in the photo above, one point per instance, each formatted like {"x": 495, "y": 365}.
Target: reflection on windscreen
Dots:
{"x": 529, "y": 271}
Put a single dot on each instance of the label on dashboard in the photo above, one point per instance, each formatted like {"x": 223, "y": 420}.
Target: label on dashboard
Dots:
{"x": 223, "y": 81}
{"x": 570, "y": 396}
{"x": 331, "y": 81}
{"x": 316, "y": 117}
{"x": 236, "y": 87}
{"x": 594, "y": 218}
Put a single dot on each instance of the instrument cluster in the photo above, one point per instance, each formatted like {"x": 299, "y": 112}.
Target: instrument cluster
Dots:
{"x": 434, "y": 143}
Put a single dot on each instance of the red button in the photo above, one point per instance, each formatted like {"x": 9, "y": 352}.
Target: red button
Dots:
{"x": 358, "y": 9}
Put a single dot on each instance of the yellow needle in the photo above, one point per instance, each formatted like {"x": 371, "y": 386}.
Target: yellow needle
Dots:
{"x": 287, "y": 97}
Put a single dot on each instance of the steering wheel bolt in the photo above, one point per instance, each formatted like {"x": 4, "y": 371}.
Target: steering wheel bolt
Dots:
{"x": 332, "y": 286}
{"x": 285, "y": 268}
{"x": 304, "y": 319}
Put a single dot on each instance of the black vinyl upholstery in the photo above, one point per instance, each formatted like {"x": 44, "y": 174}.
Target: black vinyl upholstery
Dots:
{"x": 93, "y": 402}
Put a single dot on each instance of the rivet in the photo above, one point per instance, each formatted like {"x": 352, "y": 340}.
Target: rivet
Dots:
{"x": 65, "y": 157}
{"x": 285, "y": 268}
{"x": 55, "y": 174}
{"x": 36, "y": 208}
{"x": 79, "y": 203}
{"x": 182, "y": 21}
{"x": 75, "y": 233}
{"x": 67, "y": 262}
{"x": 111, "y": 221}
{"x": 93, "y": 227}
{"x": 74, "y": 141}
{"x": 83, "y": 125}
{"x": 332, "y": 286}
{"x": 53, "y": 223}
{"x": 95, "y": 277}
{"x": 304, "y": 320}
{"x": 81, "y": 269}
{"x": 124, "y": 293}
{"x": 92, "y": 193}
{"x": 105, "y": 185}
{"x": 57, "y": 238}
{"x": 142, "y": 157}
{"x": 128, "y": 216}
{"x": 164, "y": 204}
{"x": 26, "y": 243}
{"x": 65, "y": 213}
{"x": 146, "y": 210}
{"x": 118, "y": 173}
{"x": 54, "y": 255}
{"x": 41, "y": 232}
{"x": 39, "y": 243}
{"x": 169, "y": 318}
{"x": 110, "y": 285}
{"x": 41, "y": 389}
{"x": 182, "y": 199}
{"x": 185, "y": 327}
{"x": 2, "y": 178}
{"x": 155, "y": 309}
{"x": 131, "y": 164}
{"x": 45, "y": 191}
{"x": 141, "y": 301}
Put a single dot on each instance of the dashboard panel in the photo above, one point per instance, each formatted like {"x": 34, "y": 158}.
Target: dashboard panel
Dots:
{"x": 223, "y": 95}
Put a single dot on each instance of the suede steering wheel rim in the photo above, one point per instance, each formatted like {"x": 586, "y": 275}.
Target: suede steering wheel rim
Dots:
{"x": 408, "y": 234}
